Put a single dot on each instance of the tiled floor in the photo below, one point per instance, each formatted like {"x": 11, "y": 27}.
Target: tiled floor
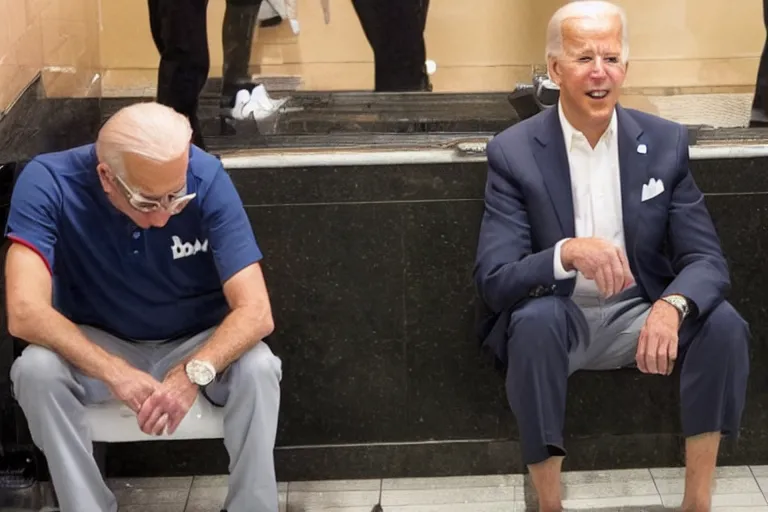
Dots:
{"x": 739, "y": 488}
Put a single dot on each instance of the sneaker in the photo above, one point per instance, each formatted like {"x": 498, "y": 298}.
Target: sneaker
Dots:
{"x": 255, "y": 104}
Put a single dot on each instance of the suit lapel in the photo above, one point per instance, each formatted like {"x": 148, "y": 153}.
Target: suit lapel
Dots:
{"x": 632, "y": 169}
{"x": 550, "y": 155}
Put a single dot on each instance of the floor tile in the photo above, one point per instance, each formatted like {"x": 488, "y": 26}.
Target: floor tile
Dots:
{"x": 720, "y": 472}
{"x": 309, "y": 501}
{"x": 452, "y": 482}
{"x": 335, "y": 485}
{"x": 160, "y": 507}
{"x": 612, "y": 503}
{"x": 214, "y": 503}
{"x": 461, "y": 507}
{"x": 151, "y": 491}
{"x": 612, "y": 476}
{"x": 448, "y": 496}
{"x": 721, "y": 500}
{"x": 746, "y": 485}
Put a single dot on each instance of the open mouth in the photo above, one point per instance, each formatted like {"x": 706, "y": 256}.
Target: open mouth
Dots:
{"x": 597, "y": 94}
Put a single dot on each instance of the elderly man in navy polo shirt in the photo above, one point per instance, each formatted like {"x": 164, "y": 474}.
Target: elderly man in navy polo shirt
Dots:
{"x": 134, "y": 273}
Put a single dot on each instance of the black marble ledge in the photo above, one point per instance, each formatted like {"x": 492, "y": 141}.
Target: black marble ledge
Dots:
{"x": 440, "y": 182}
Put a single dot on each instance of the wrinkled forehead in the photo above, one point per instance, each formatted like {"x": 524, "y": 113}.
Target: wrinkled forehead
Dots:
{"x": 598, "y": 35}
{"x": 155, "y": 179}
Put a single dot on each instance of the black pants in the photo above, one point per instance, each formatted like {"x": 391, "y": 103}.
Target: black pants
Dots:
{"x": 713, "y": 357}
{"x": 395, "y": 31}
{"x": 179, "y": 29}
{"x": 760, "y": 101}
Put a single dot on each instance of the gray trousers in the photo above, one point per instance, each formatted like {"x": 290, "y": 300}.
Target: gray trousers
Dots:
{"x": 53, "y": 395}
{"x": 606, "y": 331}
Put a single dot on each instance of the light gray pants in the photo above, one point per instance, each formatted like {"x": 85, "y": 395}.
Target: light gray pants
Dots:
{"x": 607, "y": 331}
{"x": 53, "y": 395}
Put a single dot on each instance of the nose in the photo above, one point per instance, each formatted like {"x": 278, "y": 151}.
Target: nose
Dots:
{"x": 598, "y": 68}
{"x": 159, "y": 219}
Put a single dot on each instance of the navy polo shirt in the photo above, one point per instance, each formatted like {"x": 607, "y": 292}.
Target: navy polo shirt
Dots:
{"x": 137, "y": 284}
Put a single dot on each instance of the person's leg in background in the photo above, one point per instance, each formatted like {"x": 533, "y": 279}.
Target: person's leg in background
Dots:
{"x": 759, "y": 104}
{"x": 180, "y": 32}
{"x": 395, "y": 31}
{"x": 241, "y": 98}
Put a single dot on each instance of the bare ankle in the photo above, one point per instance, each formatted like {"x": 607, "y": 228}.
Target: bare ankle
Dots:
{"x": 550, "y": 507}
{"x": 702, "y": 504}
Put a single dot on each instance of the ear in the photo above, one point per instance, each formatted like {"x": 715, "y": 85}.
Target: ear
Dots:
{"x": 103, "y": 171}
{"x": 553, "y": 69}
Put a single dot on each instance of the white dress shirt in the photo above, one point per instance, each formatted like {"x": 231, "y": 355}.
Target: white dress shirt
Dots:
{"x": 596, "y": 189}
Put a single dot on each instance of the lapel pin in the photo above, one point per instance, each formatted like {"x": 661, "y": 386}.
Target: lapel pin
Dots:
{"x": 642, "y": 149}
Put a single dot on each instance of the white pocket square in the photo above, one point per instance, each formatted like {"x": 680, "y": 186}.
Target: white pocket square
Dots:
{"x": 652, "y": 189}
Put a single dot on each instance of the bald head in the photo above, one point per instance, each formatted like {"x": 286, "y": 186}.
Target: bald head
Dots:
{"x": 586, "y": 11}
{"x": 148, "y": 131}
{"x": 143, "y": 153}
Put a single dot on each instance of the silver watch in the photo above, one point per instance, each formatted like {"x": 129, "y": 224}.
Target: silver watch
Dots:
{"x": 680, "y": 303}
{"x": 200, "y": 372}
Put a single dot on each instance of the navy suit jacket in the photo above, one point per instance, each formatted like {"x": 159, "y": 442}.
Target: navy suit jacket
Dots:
{"x": 671, "y": 242}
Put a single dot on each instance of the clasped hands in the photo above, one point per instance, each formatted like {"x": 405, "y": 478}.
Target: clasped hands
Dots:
{"x": 606, "y": 264}
{"x": 159, "y": 406}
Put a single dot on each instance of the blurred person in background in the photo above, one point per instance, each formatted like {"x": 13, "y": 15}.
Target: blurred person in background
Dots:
{"x": 395, "y": 31}
{"x": 180, "y": 32}
{"x": 759, "y": 115}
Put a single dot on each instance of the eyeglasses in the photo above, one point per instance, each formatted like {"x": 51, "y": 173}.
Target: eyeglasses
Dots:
{"x": 173, "y": 203}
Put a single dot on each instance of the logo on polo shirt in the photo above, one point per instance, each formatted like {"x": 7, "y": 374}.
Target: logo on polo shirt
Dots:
{"x": 182, "y": 250}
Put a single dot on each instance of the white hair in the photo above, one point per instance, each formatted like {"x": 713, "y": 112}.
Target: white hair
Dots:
{"x": 150, "y": 130}
{"x": 595, "y": 9}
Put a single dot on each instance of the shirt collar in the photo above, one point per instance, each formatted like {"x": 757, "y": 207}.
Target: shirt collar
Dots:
{"x": 569, "y": 132}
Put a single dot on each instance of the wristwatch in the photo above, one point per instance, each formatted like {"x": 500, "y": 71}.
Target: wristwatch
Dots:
{"x": 680, "y": 303}
{"x": 200, "y": 372}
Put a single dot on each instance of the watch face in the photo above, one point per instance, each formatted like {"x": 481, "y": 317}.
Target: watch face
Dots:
{"x": 200, "y": 373}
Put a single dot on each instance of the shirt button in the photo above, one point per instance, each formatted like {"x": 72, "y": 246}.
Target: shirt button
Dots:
{"x": 135, "y": 252}
{"x": 136, "y": 235}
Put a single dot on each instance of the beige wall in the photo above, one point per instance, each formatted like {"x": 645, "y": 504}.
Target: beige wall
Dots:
{"x": 478, "y": 46}
{"x": 59, "y": 35}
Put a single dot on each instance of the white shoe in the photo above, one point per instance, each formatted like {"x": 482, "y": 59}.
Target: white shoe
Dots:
{"x": 260, "y": 106}
{"x": 242, "y": 98}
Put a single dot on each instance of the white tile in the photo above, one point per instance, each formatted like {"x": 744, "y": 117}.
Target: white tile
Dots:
{"x": 174, "y": 482}
{"x": 452, "y": 482}
{"x": 208, "y": 494}
{"x": 609, "y": 490}
{"x": 762, "y": 482}
{"x": 214, "y": 503}
{"x": 517, "y": 506}
{"x": 162, "y": 507}
{"x": 450, "y": 496}
{"x": 335, "y": 485}
{"x": 614, "y": 475}
{"x": 741, "y": 509}
{"x": 720, "y": 472}
{"x": 305, "y": 508}
{"x": 759, "y": 471}
{"x": 223, "y": 481}
{"x": 151, "y": 491}
{"x": 307, "y": 501}
{"x": 720, "y": 486}
{"x": 612, "y": 502}
{"x": 150, "y": 496}
{"x": 720, "y": 500}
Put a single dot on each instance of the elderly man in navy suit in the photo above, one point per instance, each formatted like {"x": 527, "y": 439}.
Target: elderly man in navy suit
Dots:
{"x": 597, "y": 252}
